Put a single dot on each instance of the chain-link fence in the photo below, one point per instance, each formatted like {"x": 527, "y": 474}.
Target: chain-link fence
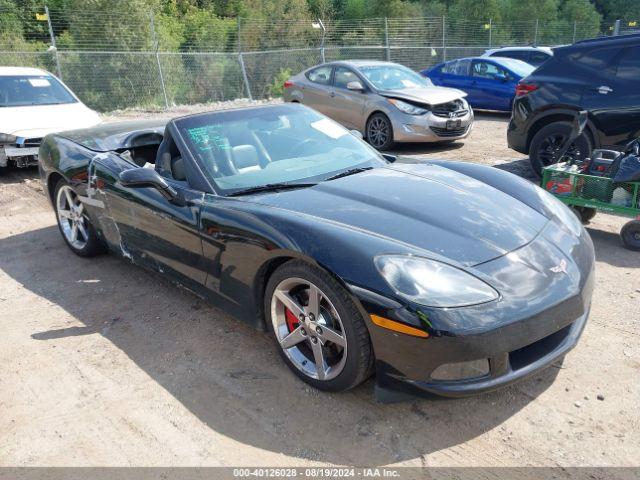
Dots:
{"x": 135, "y": 59}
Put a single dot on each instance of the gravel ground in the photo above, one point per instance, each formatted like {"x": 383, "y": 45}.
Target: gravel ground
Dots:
{"x": 105, "y": 364}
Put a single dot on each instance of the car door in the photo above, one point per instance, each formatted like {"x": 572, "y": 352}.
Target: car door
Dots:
{"x": 612, "y": 96}
{"x": 492, "y": 87}
{"x": 152, "y": 231}
{"x": 346, "y": 106}
{"x": 318, "y": 88}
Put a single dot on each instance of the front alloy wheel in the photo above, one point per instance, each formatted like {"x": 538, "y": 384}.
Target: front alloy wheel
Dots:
{"x": 320, "y": 332}
{"x": 74, "y": 223}
{"x": 380, "y": 132}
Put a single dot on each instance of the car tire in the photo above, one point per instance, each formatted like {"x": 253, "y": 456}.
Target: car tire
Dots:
{"x": 585, "y": 214}
{"x": 74, "y": 222}
{"x": 630, "y": 235}
{"x": 379, "y": 132}
{"x": 348, "y": 359}
{"x": 548, "y": 138}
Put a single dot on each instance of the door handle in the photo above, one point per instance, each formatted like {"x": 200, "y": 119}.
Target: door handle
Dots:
{"x": 604, "y": 89}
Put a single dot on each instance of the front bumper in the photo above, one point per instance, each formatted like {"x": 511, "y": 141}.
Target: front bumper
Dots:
{"x": 430, "y": 127}
{"x": 23, "y": 155}
{"x": 538, "y": 319}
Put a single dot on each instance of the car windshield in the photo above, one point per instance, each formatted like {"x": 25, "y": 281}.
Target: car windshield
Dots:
{"x": 285, "y": 144}
{"x": 392, "y": 77}
{"x": 27, "y": 90}
{"x": 518, "y": 67}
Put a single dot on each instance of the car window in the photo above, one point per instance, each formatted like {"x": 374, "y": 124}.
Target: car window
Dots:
{"x": 462, "y": 67}
{"x": 629, "y": 64}
{"x": 321, "y": 75}
{"x": 449, "y": 67}
{"x": 517, "y": 54}
{"x": 342, "y": 76}
{"x": 488, "y": 70}
{"x": 240, "y": 149}
{"x": 537, "y": 58}
{"x": 23, "y": 90}
{"x": 595, "y": 58}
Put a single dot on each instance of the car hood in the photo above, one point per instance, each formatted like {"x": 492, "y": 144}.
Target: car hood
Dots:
{"x": 442, "y": 212}
{"x": 429, "y": 95}
{"x": 40, "y": 120}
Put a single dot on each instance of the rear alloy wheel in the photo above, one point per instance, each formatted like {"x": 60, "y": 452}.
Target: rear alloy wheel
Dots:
{"x": 319, "y": 331}
{"x": 546, "y": 144}
{"x": 74, "y": 223}
{"x": 380, "y": 132}
{"x": 630, "y": 235}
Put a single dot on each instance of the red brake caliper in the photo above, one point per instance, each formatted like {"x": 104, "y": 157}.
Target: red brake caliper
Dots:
{"x": 292, "y": 321}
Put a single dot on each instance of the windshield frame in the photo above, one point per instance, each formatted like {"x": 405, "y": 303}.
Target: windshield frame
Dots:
{"x": 53, "y": 82}
{"x": 177, "y": 127}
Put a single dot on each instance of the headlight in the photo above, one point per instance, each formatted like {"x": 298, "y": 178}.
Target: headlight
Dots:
{"x": 433, "y": 284}
{"x": 563, "y": 214}
{"x": 6, "y": 138}
{"x": 407, "y": 107}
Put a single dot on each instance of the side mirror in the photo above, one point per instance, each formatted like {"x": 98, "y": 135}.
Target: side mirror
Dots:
{"x": 355, "y": 86}
{"x": 357, "y": 134}
{"x": 633, "y": 147}
{"x": 389, "y": 157}
{"x": 146, "y": 177}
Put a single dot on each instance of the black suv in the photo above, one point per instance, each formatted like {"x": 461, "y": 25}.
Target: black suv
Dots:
{"x": 601, "y": 76}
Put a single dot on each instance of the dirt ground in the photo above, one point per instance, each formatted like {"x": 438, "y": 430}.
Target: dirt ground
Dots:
{"x": 105, "y": 364}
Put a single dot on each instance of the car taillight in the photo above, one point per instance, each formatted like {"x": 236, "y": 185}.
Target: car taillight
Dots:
{"x": 288, "y": 84}
{"x": 524, "y": 88}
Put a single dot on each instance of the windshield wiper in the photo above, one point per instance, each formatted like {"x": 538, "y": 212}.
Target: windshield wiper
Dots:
{"x": 346, "y": 173}
{"x": 271, "y": 187}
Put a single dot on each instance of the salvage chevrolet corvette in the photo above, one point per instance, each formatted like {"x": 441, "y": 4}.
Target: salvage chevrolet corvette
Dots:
{"x": 442, "y": 277}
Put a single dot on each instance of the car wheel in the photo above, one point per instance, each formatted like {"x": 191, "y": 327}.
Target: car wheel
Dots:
{"x": 546, "y": 143}
{"x": 630, "y": 235}
{"x": 585, "y": 214}
{"x": 379, "y": 132}
{"x": 319, "y": 331}
{"x": 74, "y": 223}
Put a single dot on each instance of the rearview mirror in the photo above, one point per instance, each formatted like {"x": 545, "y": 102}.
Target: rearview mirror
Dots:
{"x": 355, "y": 85}
{"x": 146, "y": 177}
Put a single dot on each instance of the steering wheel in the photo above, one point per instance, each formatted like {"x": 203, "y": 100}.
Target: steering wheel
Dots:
{"x": 298, "y": 148}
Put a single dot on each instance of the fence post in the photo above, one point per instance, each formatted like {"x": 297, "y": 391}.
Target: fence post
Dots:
{"x": 324, "y": 31}
{"x": 241, "y": 62}
{"x": 386, "y": 39}
{"x": 575, "y": 28}
{"x": 616, "y": 28}
{"x": 444, "y": 40}
{"x": 535, "y": 37}
{"x": 490, "y": 31}
{"x": 156, "y": 46}
{"x": 53, "y": 43}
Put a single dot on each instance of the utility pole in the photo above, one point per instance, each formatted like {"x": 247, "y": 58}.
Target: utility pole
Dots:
{"x": 54, "y": 48}
{"x": 241, "y": 62}
{"x": 386, "y": 39}
{"x": 490, "y": 31}
{"x": 535, "y": 38}
{"x": 444, "y": 39}
{"x": 156, "y": 47}
{"x": 575, "y": 29}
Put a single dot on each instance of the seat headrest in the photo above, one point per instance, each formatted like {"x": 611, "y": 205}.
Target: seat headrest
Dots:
{"x": 245, "y": 158}
{"x": 177, "y": 169}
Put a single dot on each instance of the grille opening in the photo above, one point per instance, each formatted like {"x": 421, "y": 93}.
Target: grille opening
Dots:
{"x": 443, "y": 132}
{"x": 526, "y": 355}
{"x": 444, "y": 109}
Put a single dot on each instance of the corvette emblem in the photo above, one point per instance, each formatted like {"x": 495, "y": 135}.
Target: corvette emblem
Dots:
{"x": 561, "y": 268}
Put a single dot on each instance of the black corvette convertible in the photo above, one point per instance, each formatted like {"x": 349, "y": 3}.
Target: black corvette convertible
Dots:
{"x": 442, "y": 277}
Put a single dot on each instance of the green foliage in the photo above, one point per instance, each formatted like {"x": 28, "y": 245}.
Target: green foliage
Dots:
{"x": 276, "y": 89}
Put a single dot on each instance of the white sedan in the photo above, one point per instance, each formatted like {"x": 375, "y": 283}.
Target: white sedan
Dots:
{"x": 34, "y": 103}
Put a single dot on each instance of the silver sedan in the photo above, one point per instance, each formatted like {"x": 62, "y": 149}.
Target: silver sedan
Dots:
{"x": 385, "y": 101}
